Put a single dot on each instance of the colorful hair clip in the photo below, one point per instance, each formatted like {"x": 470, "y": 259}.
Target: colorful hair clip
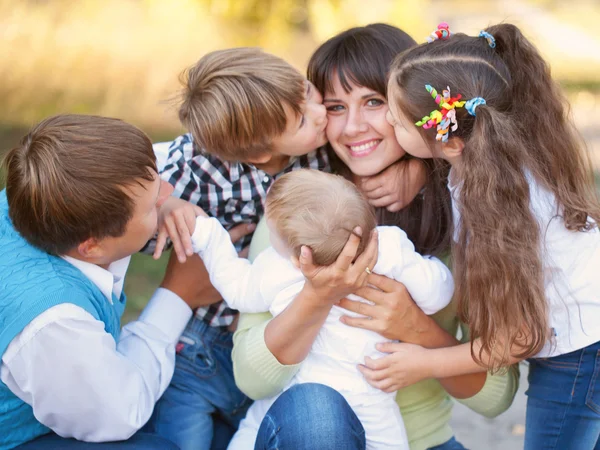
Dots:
{"x": 442, "y": 32}
{"x": 472, "y": 104}
{"x": 445, "y": 117}
{"x": 488, "y": 37}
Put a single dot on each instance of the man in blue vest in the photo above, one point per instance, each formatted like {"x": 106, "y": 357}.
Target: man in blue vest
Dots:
{"x": 81, "y": 197}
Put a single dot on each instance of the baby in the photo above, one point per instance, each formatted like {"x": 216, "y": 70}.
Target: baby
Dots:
{"x": 320, "y": 210}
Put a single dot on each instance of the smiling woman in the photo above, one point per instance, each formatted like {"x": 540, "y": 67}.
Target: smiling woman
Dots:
{"x": 358, "y": 131}
{"x": 350, "y": 69}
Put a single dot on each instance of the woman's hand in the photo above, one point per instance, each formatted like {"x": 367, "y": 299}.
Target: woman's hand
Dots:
{"x": 290, "y": 335}
{"x": 396, "y": 186}
{"x": 394, "y": 314}
{"x": 343, "y": 277}
{"x": 405, "y": 365}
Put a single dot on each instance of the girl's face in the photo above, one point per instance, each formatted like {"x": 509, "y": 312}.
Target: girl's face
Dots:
{"x": 358, "y": 131}
{"x": 406, "y": 132}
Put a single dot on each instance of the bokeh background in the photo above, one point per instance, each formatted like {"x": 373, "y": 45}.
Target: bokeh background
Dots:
{"x": 122, "y": 58}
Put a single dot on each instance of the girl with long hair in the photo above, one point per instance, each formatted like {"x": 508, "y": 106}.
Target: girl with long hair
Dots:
{"x": 526, "y": 242}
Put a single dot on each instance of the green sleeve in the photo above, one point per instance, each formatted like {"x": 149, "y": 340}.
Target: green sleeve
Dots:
{"x": 258, "y": 374}
{"x": 498, "y": 392}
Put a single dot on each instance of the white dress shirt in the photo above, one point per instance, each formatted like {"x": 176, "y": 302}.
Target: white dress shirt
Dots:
{"x": 272, "y": 282}
{"x": 78, "y": 380}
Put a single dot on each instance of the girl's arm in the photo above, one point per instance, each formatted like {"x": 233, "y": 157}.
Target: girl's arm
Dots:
{"x": 498, "y": 392}
{"x": 395, "y": 316}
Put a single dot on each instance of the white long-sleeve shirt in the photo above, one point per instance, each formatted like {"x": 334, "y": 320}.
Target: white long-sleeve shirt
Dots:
{"x": 272, "y": 282}
{"x": 82, "y": 384}
{"x": 571, "y": 260}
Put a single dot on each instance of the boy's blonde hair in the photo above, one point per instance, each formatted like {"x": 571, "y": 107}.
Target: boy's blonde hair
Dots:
{"x": 319, "y": 210}
{"x": 233, "y": 101}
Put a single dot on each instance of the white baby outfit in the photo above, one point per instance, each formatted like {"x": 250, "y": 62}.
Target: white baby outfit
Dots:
{"x": 272, "y": 282}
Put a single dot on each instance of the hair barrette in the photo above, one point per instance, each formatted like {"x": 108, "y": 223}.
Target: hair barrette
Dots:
{"x": 491, "y": 40}
{"x": 442, "y": 32}
{"x": 472, "y": 104}
{"x": 445, "y": 117}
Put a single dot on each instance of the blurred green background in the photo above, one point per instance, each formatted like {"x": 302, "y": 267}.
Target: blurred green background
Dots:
{"x": 122, "y": 58}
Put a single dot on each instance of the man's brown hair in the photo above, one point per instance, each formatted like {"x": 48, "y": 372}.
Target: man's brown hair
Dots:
{"x": 233, "y": 101}
{"x": 319, "y": 210}
{"x": 67, "y": 180}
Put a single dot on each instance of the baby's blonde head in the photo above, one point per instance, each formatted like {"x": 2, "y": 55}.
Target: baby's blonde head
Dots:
{"x": 319, "y": 210}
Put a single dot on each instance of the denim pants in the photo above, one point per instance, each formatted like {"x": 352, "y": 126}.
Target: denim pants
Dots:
{"x": 202, "y": 407}
{"x": 313, "y": 416}
{"x": 563, "y": 404}
{"x": 139, "y": 441}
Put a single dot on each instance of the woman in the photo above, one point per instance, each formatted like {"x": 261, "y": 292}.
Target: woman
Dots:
{"x": 350, "y": 69}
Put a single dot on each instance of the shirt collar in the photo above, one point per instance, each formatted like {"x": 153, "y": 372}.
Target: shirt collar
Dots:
{"x": 108, "y": 281}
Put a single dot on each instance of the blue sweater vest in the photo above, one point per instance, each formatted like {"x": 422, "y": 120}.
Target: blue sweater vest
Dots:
{"x": 32, "y": 281}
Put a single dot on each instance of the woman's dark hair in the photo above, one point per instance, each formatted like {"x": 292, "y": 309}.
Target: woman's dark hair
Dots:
{"x": 362, "y": 56}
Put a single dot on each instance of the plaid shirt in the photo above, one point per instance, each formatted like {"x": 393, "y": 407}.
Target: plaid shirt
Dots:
{"x": 232, "y": 192}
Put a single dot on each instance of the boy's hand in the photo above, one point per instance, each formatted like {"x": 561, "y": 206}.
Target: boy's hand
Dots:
{"x": 177, "y": 220}
{"x": 332, "y": 283}
{"x": 396, "y": 186}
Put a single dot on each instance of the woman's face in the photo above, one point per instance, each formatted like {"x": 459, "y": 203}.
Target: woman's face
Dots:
{"x": 358, "y": 131}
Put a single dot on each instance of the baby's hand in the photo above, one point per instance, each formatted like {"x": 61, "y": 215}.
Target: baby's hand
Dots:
{"x": 177, "y": 220}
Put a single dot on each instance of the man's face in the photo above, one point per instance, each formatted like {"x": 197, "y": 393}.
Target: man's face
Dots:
{"x": 147, "y": 197}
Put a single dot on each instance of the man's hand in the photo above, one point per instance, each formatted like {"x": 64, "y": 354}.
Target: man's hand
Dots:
{"x": 190, "y": 280}
{"x": 177, "y": 220}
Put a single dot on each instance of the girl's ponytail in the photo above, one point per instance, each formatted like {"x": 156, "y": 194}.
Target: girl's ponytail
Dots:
{"x": 497, "y": 253}
{"x": 542, "y": 112}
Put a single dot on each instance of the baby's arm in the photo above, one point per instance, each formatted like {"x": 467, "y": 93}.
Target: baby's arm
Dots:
{"x": 426, "y": 278}
{"x": 237, "y": 280}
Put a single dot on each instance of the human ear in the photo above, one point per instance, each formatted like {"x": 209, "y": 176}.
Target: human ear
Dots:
{"x": 453, "y": 148}
{"x": 90, "y": 249}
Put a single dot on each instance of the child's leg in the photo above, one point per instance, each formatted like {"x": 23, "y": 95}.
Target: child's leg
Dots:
{"x": 202, "y": 387}
{"x": 563, "y": 405}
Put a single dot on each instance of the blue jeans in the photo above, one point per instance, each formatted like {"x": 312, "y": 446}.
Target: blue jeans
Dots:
{"x": 563, "y": 404}
{"x": 202, "y": 407}
{"x": 310, "y": 416}
{"x": 139, "y": 441}
{"x": 452, "y": 444}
